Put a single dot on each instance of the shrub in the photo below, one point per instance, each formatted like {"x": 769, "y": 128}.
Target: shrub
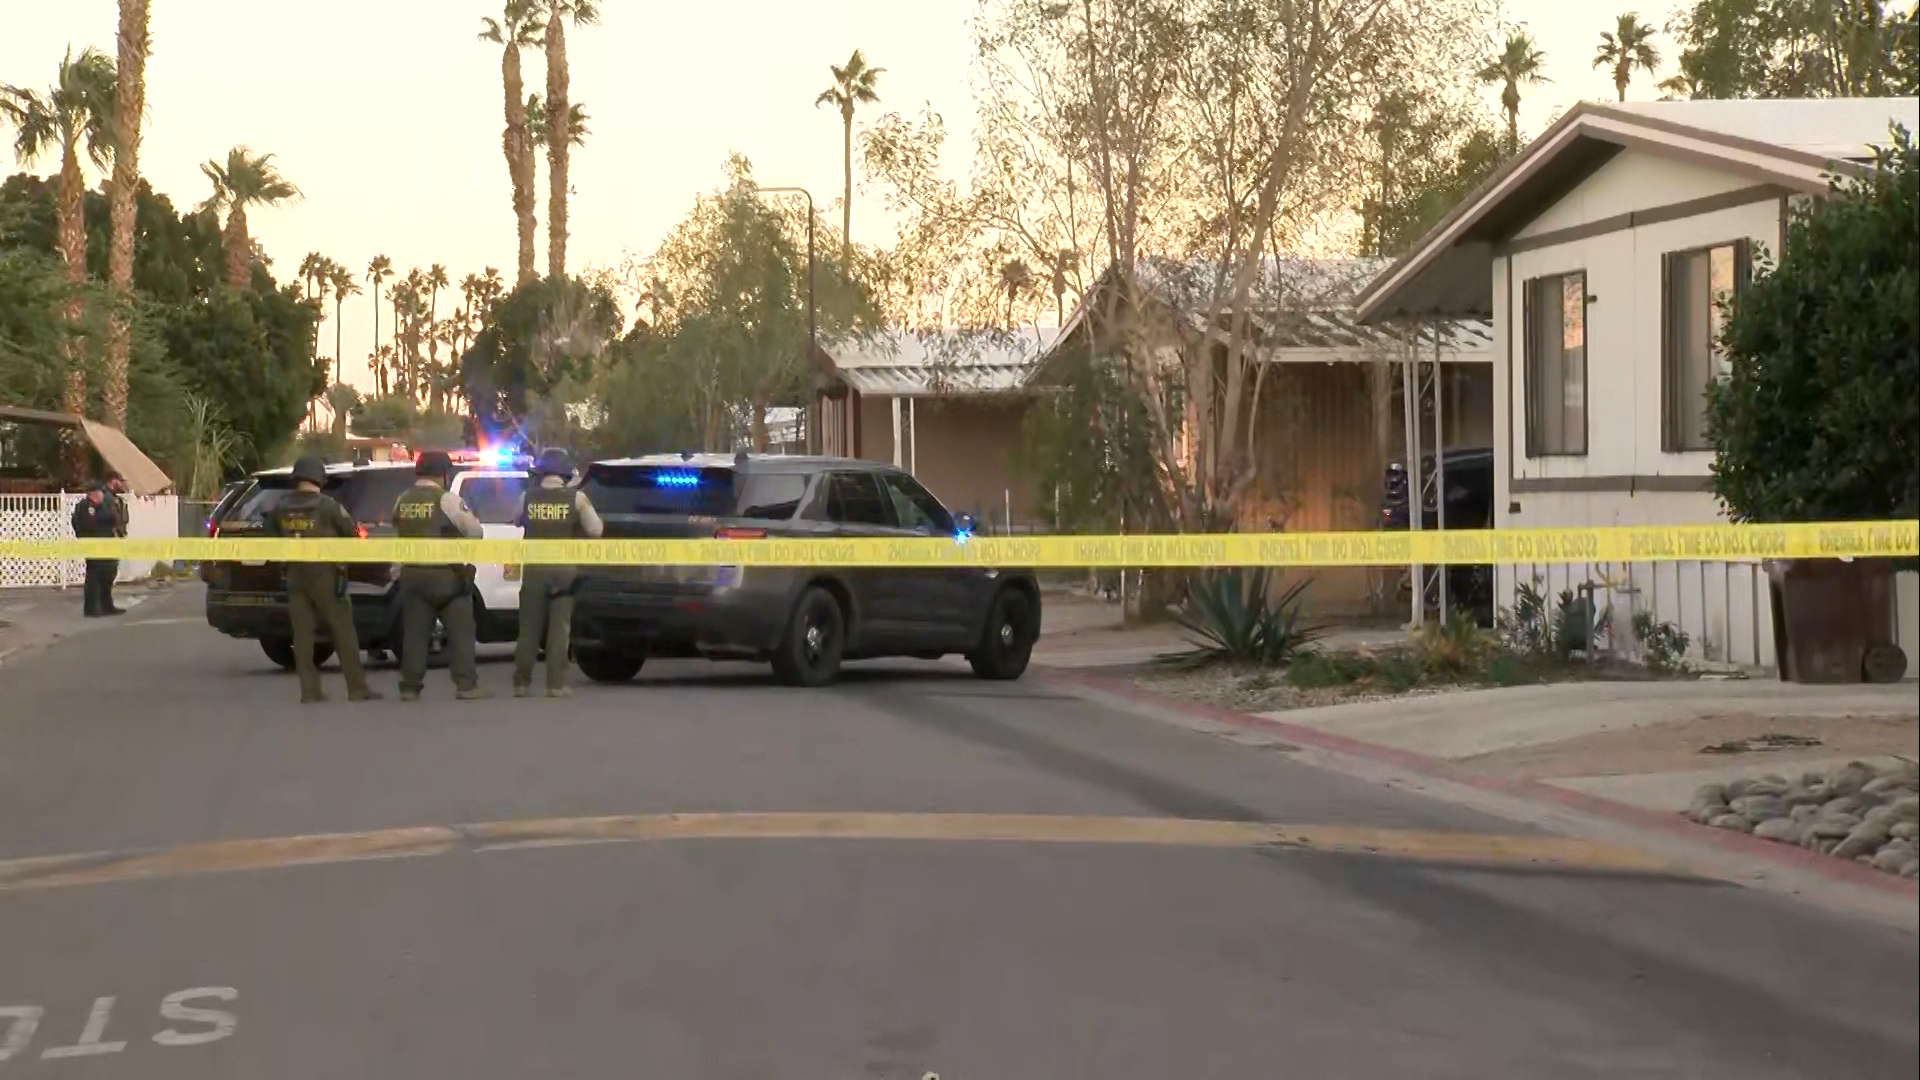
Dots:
{"x": 1817, "y": 419}
{"x": 1664, "y": 643}
{"x": 1231, "y": 619}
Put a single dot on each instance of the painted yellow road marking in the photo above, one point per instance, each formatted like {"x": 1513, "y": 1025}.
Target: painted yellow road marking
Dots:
{"x": 1544, "y": 852}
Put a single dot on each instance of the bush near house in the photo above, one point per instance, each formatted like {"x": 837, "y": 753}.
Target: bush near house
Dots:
{"x": 1818, "y": 418}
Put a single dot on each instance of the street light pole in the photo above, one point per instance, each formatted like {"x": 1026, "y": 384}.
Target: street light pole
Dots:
{"x": 813, "y": 312}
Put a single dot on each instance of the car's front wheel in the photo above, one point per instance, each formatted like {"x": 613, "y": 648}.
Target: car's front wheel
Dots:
{"x": 608, "y": 666}
{"x": 280, "y": 651}
{"x": 1007, "y": 644}
{"x": 809, "y": 654}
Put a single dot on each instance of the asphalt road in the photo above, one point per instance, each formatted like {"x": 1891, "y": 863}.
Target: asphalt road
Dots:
{"x": 841, "y": 909}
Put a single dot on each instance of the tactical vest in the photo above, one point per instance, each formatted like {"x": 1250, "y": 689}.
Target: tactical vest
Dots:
{"x": 551, "y": 514}
{"x": 417, "y": 514}
{"x": 303, "y": 514}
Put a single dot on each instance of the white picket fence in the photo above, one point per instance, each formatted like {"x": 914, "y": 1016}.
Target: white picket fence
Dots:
{"x": 49, "y": 517}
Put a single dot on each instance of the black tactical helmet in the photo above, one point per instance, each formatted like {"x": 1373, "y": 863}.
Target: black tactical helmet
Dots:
{"x": 310, "y": 469}
{"x": 434, "y": 463}
{"x": 553, "y": 462}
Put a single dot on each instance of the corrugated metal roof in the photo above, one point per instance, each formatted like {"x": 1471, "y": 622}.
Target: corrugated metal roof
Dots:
{"x": 925, "y": 364}
{"x": 1831, "y": 127}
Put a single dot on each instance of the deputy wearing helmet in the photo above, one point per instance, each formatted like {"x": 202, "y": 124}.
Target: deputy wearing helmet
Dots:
{"x": 433, "y": 593}
{"x": 318, "y": 590}
{"x": 552, "y": 511}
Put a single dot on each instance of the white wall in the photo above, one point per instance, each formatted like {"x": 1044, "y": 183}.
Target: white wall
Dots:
{"x": 1724, "y": 607}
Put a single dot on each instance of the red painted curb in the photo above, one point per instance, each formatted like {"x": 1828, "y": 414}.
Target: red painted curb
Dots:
{"x": 1441, "y": 769}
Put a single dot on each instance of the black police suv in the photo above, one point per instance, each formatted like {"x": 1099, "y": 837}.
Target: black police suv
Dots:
{"x": 805, "y": 621}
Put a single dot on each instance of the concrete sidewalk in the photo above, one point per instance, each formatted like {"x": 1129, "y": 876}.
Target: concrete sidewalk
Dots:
{"x": 1642, "y": 743}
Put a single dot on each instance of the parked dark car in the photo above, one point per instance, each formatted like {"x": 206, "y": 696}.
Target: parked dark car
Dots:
{"x": 1468, "y": 474}
{"x": 249, "y": 599}
{"x": 803, "y": 620}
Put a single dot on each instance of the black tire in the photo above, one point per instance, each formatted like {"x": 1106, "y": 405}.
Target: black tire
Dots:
{"x": 280, "y": 651}
{"x": 809, "y": 652}
{"x": 607, "y": 666}
{"x": 1006, "y": 645}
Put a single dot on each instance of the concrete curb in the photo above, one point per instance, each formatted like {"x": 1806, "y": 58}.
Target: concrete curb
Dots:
{"x": 1799, "y": 859}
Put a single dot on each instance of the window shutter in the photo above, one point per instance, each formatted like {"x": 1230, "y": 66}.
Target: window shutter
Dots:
{"x": 1528, "y": 359}
{"x": 1669, "y": 362}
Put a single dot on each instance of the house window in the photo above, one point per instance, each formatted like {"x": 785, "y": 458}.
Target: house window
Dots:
{"x": 1697, "y": 283}
{"x": 1556, "y": 365}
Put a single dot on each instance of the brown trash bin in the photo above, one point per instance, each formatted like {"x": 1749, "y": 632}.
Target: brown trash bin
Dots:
{"x": 1830, "y": 617}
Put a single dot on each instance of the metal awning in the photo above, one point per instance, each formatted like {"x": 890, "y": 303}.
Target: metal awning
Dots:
{"x": 143, "y": 477}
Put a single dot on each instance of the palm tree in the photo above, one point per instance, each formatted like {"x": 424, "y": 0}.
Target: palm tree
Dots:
{"x": 378, "y": 270}
{"x": 853, "y": 85}
{"x": 341, "y": 398}
{"x": 436, "y": 280}
{"x": 1628, "y": 46}
{"x": 559, "y": 125}
{"x": 517, "y": 28}
{"x": 129, "y": 103}
{"x": 1682, "y": 87}
{"x": 537, "y": 117}
{"x": 75, "y": 115}
{"x": 246, "y": 179}
{"x": 1520, "y": 63}
{"x": 344, "y": 286}
{"x": 493, "y": 288}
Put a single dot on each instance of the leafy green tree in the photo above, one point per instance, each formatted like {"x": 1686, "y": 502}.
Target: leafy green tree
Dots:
{"x": 1629, "y": 45}
{"x": 540, "y": 336}
{"x": 1796, "y": 48}
{"x": 1817, "y": 419}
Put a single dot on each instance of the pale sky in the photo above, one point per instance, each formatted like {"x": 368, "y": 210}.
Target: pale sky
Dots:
{"x": 387, "y": 113}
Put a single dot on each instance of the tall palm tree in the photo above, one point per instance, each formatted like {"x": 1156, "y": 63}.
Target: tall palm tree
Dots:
{"x": 517, "y": 28}
{"x": 73, "y": 118}
{"x": 1628, "y": 46}
{"x": 244, "y": 179}
{"x": 436, "y": 280}
{"x": 129, "y": 103}
{"x": 378, "y": 270}
{"x": 854, "y": 84}
{"x": 559, "y": 125}
{"x": 344, "y": 286}
{"x": 1520, "y": 63}
{"x": 538, "y": 118}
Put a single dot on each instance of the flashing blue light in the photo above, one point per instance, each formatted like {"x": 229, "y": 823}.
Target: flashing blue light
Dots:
{"x": 676, "y": 479}
{"x": 498, "y": 457}
{"x": 961, "y": 536}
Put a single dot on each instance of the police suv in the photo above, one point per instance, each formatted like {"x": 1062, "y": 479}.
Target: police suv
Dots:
{"x": 248, "y": 599}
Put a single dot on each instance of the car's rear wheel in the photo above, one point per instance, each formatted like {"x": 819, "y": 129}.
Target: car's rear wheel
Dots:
{"x": 809, "y": 654}
{"x": 280, "y": 651}
{"x": 1007, "y": 644}
{"x": 608, "y": 666}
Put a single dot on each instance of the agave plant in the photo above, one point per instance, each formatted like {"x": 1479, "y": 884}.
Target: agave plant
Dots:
{"x": 1231, "y": 620}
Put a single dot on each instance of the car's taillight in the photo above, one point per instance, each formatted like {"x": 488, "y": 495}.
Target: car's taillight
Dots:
{"x": 740, "y": 534}
{"x": 213, "y": 530}
{"x": 360, "y": 531}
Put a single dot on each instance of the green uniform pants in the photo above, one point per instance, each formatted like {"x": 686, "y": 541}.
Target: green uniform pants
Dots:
{"x": 546, "y": 617}
{"x": 314, "y": 597}
{"x": 430, "y": 594}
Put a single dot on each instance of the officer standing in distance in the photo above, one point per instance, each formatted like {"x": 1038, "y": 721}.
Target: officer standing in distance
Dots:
{"x": 552, "y": 511}
{"x": 430, "y": 594}
{"x": 318, "y": 591}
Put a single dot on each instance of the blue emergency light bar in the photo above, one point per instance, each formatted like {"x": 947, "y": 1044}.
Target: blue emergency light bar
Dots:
{"x": 676, "y": 479}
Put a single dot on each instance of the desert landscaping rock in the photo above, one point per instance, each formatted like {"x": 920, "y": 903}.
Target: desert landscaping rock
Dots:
{"x": 1859, "y": 812}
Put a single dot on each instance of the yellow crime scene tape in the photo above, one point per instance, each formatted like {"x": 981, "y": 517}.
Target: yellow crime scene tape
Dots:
{"x": 1678, "y": 543}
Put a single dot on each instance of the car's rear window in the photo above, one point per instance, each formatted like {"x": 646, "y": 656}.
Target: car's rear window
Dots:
{"x": 660, "y": 490}
{"x": 368, "y": 495}
{"x": 495, "y": 500}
